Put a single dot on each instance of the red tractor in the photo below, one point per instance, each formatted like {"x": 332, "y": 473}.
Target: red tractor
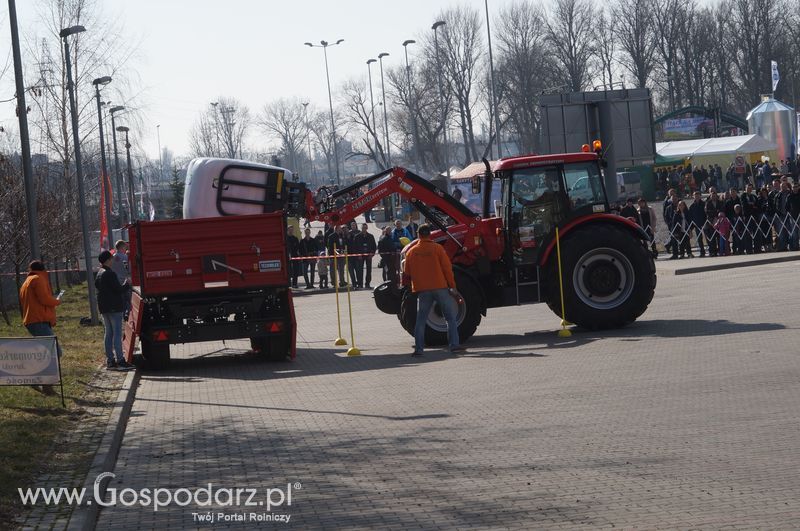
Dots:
{"x": 509, "y": 258}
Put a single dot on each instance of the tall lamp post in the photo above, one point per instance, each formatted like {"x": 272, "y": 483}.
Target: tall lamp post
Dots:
{"x": 123, "y": 129}
{"x": 111, "y": 111}
{"x": 102, "y": 81}
{"x": 436, "y": 26}
{"x": 412, "y": 102}
{"x": 87, "y": 252}
{"x": 324, "y": 45}
{"x": 22, "y": 114}
{"x": 372, "y": 100}
{"x": 385, "y": 118}
{"x": 308, "y": 136}
{"x": 494, "y": 87}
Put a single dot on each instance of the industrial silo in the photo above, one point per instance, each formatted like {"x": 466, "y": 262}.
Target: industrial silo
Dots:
{"x": 777, "y": 122}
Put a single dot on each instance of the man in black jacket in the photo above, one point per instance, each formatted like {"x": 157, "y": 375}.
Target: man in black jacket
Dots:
{"x": 111, "y": 303}
{"x": 337, "y": 246}
{"x": 308, "y": 249}
{"x": 697, "y": 217}
{"x": 364, "y": 243}
{"x": 793, "y": 211}
{"x": 293, "y": 248}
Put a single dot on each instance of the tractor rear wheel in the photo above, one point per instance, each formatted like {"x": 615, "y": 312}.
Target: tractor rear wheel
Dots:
{"x": 468, "y": 317}
{"x": 609, "y": 278}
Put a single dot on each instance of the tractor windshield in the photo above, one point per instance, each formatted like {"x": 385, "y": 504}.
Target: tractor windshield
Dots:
{"x": 584, "y": 184}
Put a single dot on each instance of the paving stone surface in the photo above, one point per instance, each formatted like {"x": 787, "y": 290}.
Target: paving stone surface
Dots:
{"x": 688, "y": 418}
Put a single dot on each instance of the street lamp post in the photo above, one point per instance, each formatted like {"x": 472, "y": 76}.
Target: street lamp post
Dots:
{"x": 105, "y": 80}
{"x": 436, "y": 26}
{"x": 118, "y": 176}
{"x": 385, "y": 119}
{"x": 494, "y": 87}
{"x": 412, "y": 103}
{"x": 87, "y": 252}
{"x": 372, "y": 100}
{"x": 324, "y": 45}
{"x": 308, "y": 136}
{"x": 123, "y": 129}
{"x": 22, "y": 114}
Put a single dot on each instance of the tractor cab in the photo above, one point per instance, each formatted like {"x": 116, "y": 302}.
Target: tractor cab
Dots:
{"x": 538, "y": 194}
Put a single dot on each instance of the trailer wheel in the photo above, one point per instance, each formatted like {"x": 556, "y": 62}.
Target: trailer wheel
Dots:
{"x": 156, "y": 355}
{"x": 273, "y": 348}
{"x": 609, "y": 278}
{"x": 468, "y": 318}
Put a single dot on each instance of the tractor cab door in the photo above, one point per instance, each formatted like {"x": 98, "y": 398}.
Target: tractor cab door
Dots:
{"x": 584, "y": 186}
{"x": 534, "y": 202}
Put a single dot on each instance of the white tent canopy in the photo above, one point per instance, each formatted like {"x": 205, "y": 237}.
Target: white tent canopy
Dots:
{"x": 704, "y": 147}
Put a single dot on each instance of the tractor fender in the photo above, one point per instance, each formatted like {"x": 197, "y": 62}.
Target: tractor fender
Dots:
{"x": 458, "y": 269}
{"x": 592, "y": 219}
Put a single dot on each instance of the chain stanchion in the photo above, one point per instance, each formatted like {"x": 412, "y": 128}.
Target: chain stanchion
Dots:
{"x": 564, "y": 332}
{"x": 335, "y": 273}
{"x": 352, "y": 351}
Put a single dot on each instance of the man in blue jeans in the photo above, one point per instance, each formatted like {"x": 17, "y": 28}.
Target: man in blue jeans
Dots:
{"x": 432, "y": 280}
{"x": 111, "y": 303}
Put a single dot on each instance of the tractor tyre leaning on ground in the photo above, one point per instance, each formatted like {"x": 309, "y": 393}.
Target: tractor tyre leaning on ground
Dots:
{"x": 468, "y": 318}
{"x": 156, "y": 356}
{"x": 609, "y": 277}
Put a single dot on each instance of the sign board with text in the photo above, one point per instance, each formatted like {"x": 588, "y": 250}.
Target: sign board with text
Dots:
{"x": 29, "y": 361}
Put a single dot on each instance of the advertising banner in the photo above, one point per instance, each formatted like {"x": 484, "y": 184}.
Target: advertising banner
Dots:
{"x": 29, "y": 361}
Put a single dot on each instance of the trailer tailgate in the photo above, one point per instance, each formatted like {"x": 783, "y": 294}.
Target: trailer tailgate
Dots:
{"x": 195, "y": 255}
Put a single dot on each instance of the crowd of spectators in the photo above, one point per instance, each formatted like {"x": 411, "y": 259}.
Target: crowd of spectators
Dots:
{"x": 759, "y": 219}
{"x": 353, "y": 248}
{"x": 686, "y": 180}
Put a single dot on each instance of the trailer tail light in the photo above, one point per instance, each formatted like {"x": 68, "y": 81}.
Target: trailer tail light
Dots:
{"x": 160, "y": 335}
{"x": 274, "y": 327}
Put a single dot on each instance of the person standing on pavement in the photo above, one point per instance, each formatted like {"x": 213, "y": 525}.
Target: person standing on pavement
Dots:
{"x": 646, "y": 217}
{"x": 337, "y": 247}
{"x": 713, "y": 207}
{"x": 386, "y": 249}
{"x": 309, "y": 249}
{"x": 293, "y": 248}
{"x": 352, "y": 262}
{"x": 111, "y": 304}
{"x": 364, "y": 243}
{"x": 38, "y": 307}
{"x": 697, "y": 217}
{"x": 432, "y": 280}
{"x": 399, "y": 232}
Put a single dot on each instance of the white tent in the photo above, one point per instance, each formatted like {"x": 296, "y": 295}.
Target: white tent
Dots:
{"x": 717, "y": 147}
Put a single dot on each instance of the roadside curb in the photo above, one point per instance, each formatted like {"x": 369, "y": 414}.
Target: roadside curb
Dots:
{"x": 84, "y": 517}
{"x": 731, "y": 265}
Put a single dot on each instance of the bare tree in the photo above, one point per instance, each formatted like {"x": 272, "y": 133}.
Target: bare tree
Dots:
{"x": 358, "y": 112}
{"x": 523, "y": 69}
{"x": 570, "y": 31}
{"x": 670, "y": 19}
{"x": 284, "y": 120}
{"x": 462, "y": 49}
{"x": 634, "y": 28}
{"x": 606, "y": 47}
{"x": 221, "y": 130}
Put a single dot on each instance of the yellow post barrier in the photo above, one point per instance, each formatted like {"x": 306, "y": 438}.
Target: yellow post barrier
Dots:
{"x": 352, "y": 351}
{"x": 563, "y": 332}
{"x": 339, "y": 339}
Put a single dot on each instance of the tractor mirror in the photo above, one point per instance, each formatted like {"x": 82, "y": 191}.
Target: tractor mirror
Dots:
{"x": 476, "y": 184}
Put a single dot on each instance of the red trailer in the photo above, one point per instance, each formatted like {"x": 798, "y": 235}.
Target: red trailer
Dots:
{"x": 209, "y": 279}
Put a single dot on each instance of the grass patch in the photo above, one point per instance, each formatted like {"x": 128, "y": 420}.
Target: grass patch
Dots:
{"x": 29, "y": 421}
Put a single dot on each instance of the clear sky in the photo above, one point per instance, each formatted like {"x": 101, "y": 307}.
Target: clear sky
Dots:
{"x": 192, "y": 52}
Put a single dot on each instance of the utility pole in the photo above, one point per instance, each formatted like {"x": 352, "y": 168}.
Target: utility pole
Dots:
{"x": 494, "y": 87}
{"x": 22, "y": 114}
{"x": 324, "y": 45}
{"x": 105, "y": 188}
{"x": 160, "y": 161}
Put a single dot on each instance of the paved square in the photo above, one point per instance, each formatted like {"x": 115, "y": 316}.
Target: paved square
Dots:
{"x": 689, "y": 418}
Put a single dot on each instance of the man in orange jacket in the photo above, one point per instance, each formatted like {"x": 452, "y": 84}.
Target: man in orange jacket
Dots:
{"x": 39, "y": 307}
{"x": 432, "y": 280}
